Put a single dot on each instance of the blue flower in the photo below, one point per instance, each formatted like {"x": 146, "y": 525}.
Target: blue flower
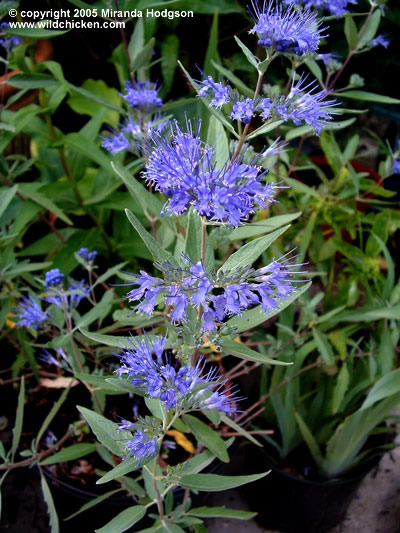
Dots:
{"x": 305, "y": 104}
{"x": 218, "y": 91}
{"x": 331, "y": 60}
{"x": 183, "y": 168}
{"x": 53, "y": 278}
{"x": 243, "y": 110}
{"x": 396, "y": 166}
{"x": 216, "y": 296}
{"x": 142, "y": 445}
{"x": 9, "y": 41}
{"x": 63, "y": 360}
{"x": 115, "y": 143}
{"x": 185, "y": 388}
{"x": 76, "y": 291}
{"x": 381, "y": 40}
{"x": 30, "y": 313}
{"x": 86, "y": 255}
{"x": 286, "y": 30}
{"x": 141, "y": 96}
{"x": 335, "y": 7}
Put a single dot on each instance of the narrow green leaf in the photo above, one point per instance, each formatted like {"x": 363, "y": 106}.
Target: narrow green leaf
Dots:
{"x": 143, "y": 56}
{"x": 369, "y": 314}
{"x": 369, "y": 97}
{"x": 217, "y": 138}
{"x": 371, "y": 28}
{"x": 342, "y": 384}
{"x": 169, "y": 50}
{"x": 250, "y": 252}
{"x": 323, "y": 346}
{"x": 207, "y": 436}
{"x": 33, "y": 81}
{"x": 221, "y": 512}
{"x": 124, "y": 520}
{"x": 262, "y": 226}
{"x": 152, "y": 245}
{"x": 19, "y": 418}
{"x": 31, "y": 191}
{"x": 6, "y": 196}
{"x": 386, "y": 386}
{"x": 350, "y": 31}
{"x": 92, "y": 503}
{"x": 234, "y": 79}
{"x": 215, "y": 483}
{"x": 251, "y": 58}
{"x": 193, "y": 236}
{"x": 212, "y": 48}
{"x": 75, "y": 451}
{"x": 48, "y": 498}
{"x": 52, "y": 413}
{"x": 127, "y": 466}
{"x": 309, "y": 439}
{"x": 229, "y": 422}
{"x": 105, "y": 431}
{"x": 36, "y": 32}
{"x": 244, "y": 352}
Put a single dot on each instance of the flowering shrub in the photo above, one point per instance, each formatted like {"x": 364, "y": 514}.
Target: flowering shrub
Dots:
{"x": 198, "y": 210}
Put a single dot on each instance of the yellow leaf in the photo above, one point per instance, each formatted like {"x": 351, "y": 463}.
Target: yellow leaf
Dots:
{"x": 181, "y": 440}
{"x": 10, "y": 324}
{"x": 58, "y": 383}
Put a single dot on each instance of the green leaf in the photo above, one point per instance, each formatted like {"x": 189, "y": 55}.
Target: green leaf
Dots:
{"x": 251, "y": 58}
{"x": 52, "y": 413}
{"x": 263, "y": 226}
{"x": 342, "y": 385}
{"x": 244, "y": 352}
{"x": 105, "y": 431}
{"x": 19, "y": 418}
{"x": 36, "y": 32}
{"x": 108, "y": 273}
{"x": 269, "y": 126}
{"x": 207, "y": 436}
{"x": 98, "y": 312}
{"x": 92, "y": 503}
{"x": 217, "y": 138}
{"x": 137, "y": 40}
{"x": 229, "y": 422}
{"x": 129, "y": 464}
{"x": 215, "y": 483}
{"x": 193, "y": 236}
{"x": 31, "y": 191}
{"x": 250, "y": 252}
{"x": 350, "y": 31}
{"x": 371, "y": 28}
{"x": 369, "y": 314}
{"x": 124, "y": 520}
{"x": 142, "y": 57}
{"x": 169, "y": 50}
{"x": 152, "y": 245}
{"x": 212, "y": 48}
{"x": 234, "y": 79}
{"x": 137, "y": 190}
{"x": 323, "y": 346}
{"x": 96, "y": 98}
{"x": 5, "y": 198}
{"x": 108, "y": 340}
{"x": 309, "y": 439}
{"x": 33, "y": 81}
{"x": 156, "y": 407}
{"x": 70, "y": 453}
{"x": 48, "y": 498}
{"x": 85, "y": 104}
{"x": 256, "y": 316}
{"x": 221, "y": 512}
{"x": 386, "y": 386}
{"x": 369, "y": 97}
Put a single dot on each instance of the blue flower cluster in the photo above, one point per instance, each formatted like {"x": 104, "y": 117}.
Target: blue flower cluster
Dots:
{"x": 184, "y": 388}
{"x": 30, "y": 313}
{"x": 53, "y": 278}
{"x": 86, "y": 255}
{"x": 286, "y": 29}
{"x": 9, "y": 41}
{"x": 142, "y": 96}
{"x": 216, "y": 297}
{"x": 335, "y": 7}
{"x": 142, "y": 445}
{"x": 183, "y": 168}
{"x": 396, "y": 166}
{"x": 133, "y": 134}
{"x": 304, "y": 103}
{"x": 70, "y": 298}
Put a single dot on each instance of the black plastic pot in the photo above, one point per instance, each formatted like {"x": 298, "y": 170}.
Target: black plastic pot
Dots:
{"x": 292, "y": 504}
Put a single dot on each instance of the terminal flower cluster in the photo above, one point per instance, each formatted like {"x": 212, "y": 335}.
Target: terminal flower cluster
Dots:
{"x": 286, "y": 29}
{"x": 182, "y": 167}
{"x": 186, "y": 388}
{"x": 215, "y": 296}
{"x": 141, "y": 95}
{"x": 304, "y": 103}
{"x": 8, "y": 41}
